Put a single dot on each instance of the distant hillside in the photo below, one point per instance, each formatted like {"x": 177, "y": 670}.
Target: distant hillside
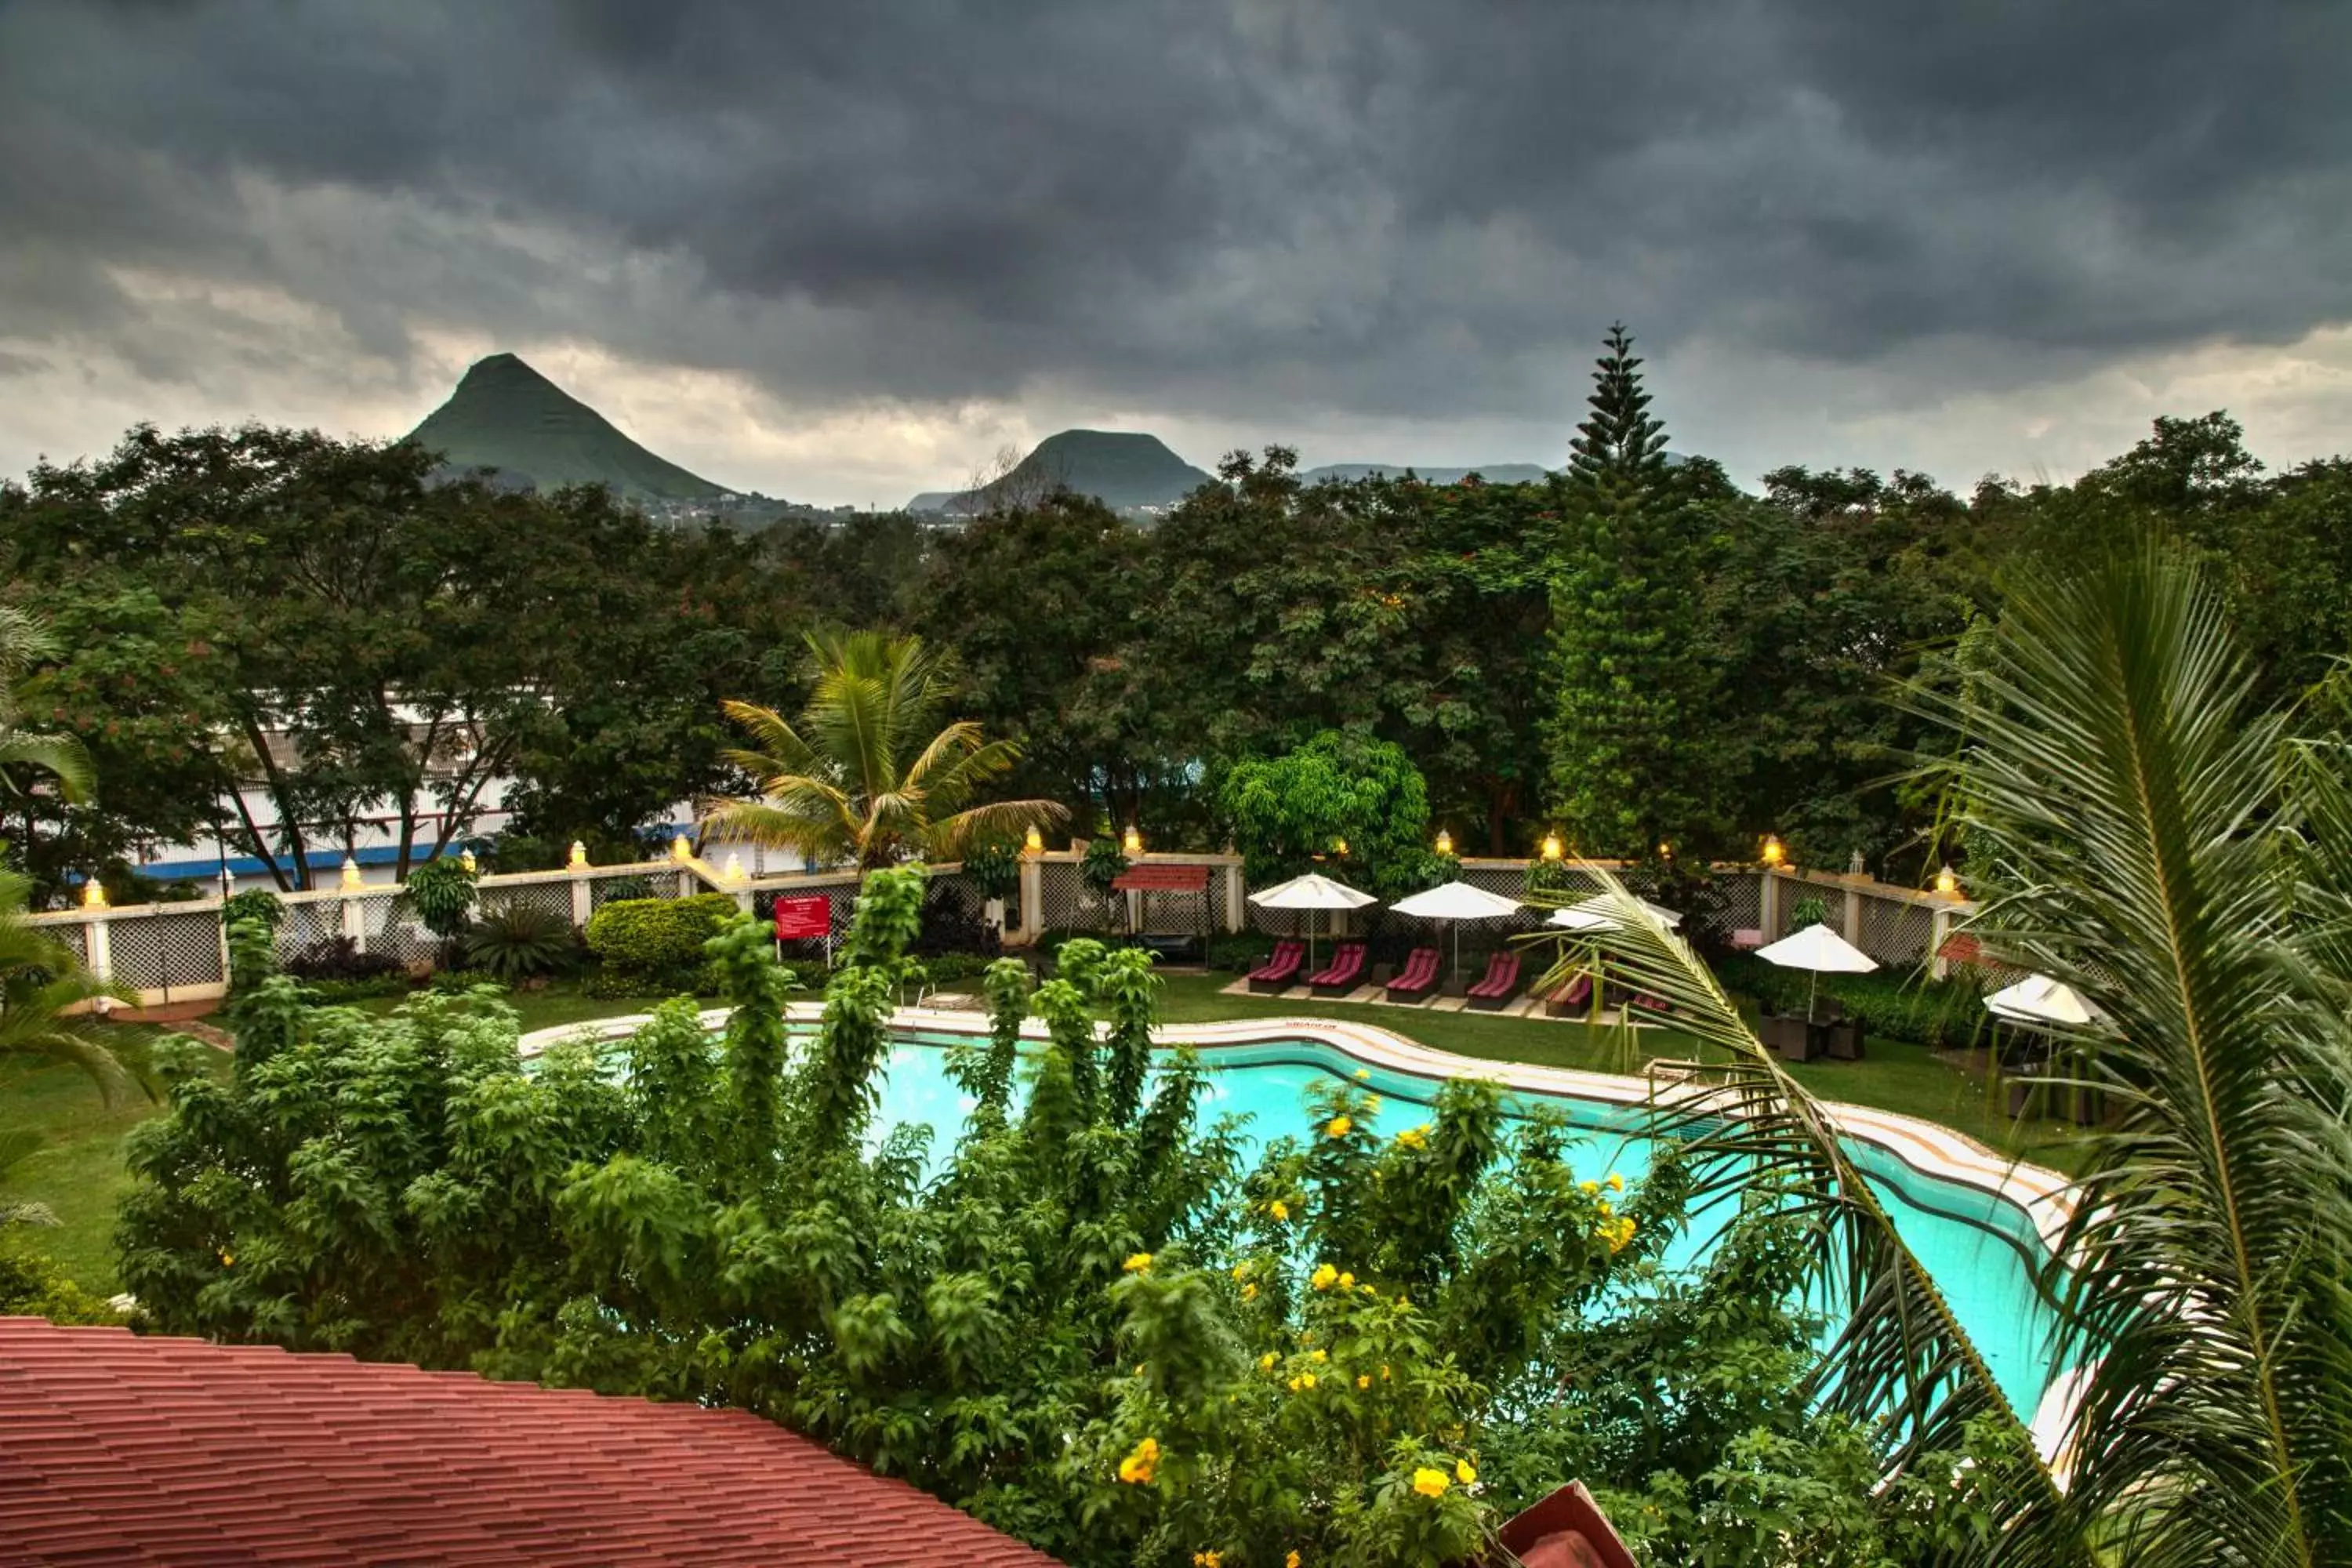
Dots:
{"x": 1493, "y": 473}
{"x": 506, "y": 416}
{"x": 1126, "y": 471}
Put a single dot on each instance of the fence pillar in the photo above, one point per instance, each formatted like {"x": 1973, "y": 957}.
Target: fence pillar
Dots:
{"x": 1853, "y": 915}
{"x": 1237, "y": 901}
{"x": 1939, "y": 929}
{"x": 1033, "y": 897}
{"x": 582, "y": 900}
{"x": 1768, "y": 905}
{"x": 101, "y": 949}
{"x": 354, "y": 922}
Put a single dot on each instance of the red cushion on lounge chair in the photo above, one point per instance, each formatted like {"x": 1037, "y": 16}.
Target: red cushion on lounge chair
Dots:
{"x": 1575, "y": 993}
{"x": 1346, "y": 965}
{"x": 1420, "y": 972}
{"x": 1287, "y": 958}
{"x": 1502, "y": 976}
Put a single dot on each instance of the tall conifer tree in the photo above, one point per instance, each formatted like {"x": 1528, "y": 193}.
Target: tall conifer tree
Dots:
{"x": 1634, "y": 686}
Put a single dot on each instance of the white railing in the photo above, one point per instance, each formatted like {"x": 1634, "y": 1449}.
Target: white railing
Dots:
{"x": 166, "y": 953}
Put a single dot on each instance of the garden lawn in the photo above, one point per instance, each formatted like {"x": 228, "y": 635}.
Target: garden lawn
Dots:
{"x": 78, "y": 1169}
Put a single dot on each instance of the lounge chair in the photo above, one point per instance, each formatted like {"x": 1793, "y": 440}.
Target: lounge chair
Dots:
{"x": 1280, "y": 970}
{"x": 1746, "y": 939}
{"x": 1571, "y": 1000}
{"x": 1417, "y": 982}
{"x": 1649, "y": 1004}
{"x": 1502, "y": 983}
{"x": 1345, "y": 973}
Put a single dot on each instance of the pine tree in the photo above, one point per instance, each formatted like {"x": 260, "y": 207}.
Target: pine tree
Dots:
{"x": 1634, "y": 686}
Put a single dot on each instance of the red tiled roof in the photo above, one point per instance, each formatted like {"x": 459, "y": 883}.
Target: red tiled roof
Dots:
{"x": 120, "y": 1449}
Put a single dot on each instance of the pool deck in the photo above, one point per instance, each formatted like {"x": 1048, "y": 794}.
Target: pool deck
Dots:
{"x": 2046, "y": 1197}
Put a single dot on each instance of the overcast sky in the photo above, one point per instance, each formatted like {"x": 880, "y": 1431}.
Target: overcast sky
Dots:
{"x": 841, "y": 253}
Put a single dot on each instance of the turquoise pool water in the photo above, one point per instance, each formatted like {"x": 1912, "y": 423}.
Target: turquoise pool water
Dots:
{"x": 1981, "y": 1248}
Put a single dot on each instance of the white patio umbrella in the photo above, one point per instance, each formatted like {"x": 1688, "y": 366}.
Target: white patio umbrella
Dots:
{"x": 1455, "y": 902}
{"x": 1310, "y": 893}
{"x": 2039, "y": 1000}
{"x": 1821, "y": 950}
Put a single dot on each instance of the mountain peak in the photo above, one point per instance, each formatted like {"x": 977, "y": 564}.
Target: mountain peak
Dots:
{"x": 1125, "y": 470}
{"x": 506, "y": 416}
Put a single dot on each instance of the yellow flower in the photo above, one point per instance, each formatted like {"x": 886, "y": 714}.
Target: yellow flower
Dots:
{"x": 1294, "y": 1385}
{"x": 1588, "y": 1187}
{"x": 228, "y": 1260}
{"x": 1431, "y": 1483}
{"x": 1278, "y": 1209}
{"x": 1464, "y": 1471}
{"x": 1616, "y": 1182}
{"x": 1241, "y": 1271}
{"x": 1361, "y": 1073}
{"x": 1374, "y": 1108}
{"x": 1249, "y": 1292}
{"x": 1136, "y": 1263}
{"x": 1265, "y": 1362}
{"x": 1385, "y": 1372}
{"x": 1318, "y": 1356}
{"x": 1207, "y": 1560}
{"x": 1363, "y": 1380}
{"x": 1306, "y": 1380}
{"x": 1323, "y": 1276}
{"x": 1415, "y": 1137}
{"x": 1137, "y": 1468}
{"x": 1337, "y": 1126}
{"x": 1347, "y": 1281}
{"x": 1368, "y": 1291}
{"x": 1291, "y": 1561}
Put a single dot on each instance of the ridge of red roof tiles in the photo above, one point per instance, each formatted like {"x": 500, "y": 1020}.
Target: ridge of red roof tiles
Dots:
{"x": 123, "y": 1448}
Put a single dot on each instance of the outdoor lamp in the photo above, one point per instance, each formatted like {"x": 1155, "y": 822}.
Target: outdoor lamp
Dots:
{"x": 680, "y": 849}
{"x": 579, "y": 861}
{"x": 1773, "y": 853}
{"x": 735, "y": 872}
{"x": 1131, "y": 840}
{"x": 93, "y": 894}
{"x": 1551, "y": 847}
{"x": 1445, "y": 842}
{"x": 1666, "y": 850}
{"x": 1034, "y": 841}
{"x": 1339, "y": 846}
{"x": 1947, "y": 884}
{"x": 467, "y": 860}
{"x": 352, "y": 882}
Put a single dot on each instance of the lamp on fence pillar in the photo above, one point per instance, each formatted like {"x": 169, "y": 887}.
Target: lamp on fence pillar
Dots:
{"x": 1445, "y": 842}
{"x": 1131, "y": 841}
{"x": 93, "y": 894}
{"x": 466, "y": 858}
{"x": 1947, "y": 884}
{"x": 1666, "y": 850}
{"x": 1339, "y": 847}
{"x": 680, "y": 849}
{"x": 579, "y": 860}
{"x": 1033, "y": 842}
{"x": 1551, "y": 847}
{"x": 352, "y": 880}
{"x": 735, "y": 872}
{"x": 1774, "y": 853}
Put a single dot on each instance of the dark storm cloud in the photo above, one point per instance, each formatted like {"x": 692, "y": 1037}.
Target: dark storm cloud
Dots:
{"x": 1394, "y": 209}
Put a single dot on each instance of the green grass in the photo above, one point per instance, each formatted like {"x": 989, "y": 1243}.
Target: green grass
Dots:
{"x": 559, "y": 1002}
{"x": 78, "y": 1169}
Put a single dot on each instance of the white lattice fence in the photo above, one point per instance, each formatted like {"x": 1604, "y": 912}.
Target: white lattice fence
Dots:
{"x": 662, "y": 884}
{"x": 307, "y": 926}
{"x": 167, "y": 951}
{"x": 553, "y": 899}
{"x": 1068, "y": 903}
{"x": 74, "y": 939}
{"x": 392, "y": 931}
{"x": 1895, "y": 932}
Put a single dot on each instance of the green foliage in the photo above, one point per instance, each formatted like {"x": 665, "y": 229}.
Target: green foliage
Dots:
{"x": 1103, "y": 863}
{"x": 441, "y": 891}
{"x": 519, "y": 942}
{"x": 32, "y": 1286}
{"x": 1900, "y": 1007}
{"x": 254, "y": 904}
{"x": 1089, "y": 1326}
{"x": 994, "y": 867}
{"x": 1338, "y": 789}
{"x": 653, "y": 944}
{"x": 1812, "y": 910}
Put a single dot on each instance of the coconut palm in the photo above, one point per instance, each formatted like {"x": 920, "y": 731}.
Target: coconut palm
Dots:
{"x": 25, "y": 643}
{"x": 2138, "y": 832}
{"x": 865, "y": 777}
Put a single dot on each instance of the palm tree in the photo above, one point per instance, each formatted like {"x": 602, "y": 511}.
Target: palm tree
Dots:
{"x": 865, "y": 777}
{"x": 25, "y": 643}
{"x": 42, "y": 982}
{"x": 2136, "y": 830}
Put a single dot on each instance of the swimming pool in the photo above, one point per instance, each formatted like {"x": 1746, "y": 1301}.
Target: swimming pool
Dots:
{"x": 1979, "y": 1227}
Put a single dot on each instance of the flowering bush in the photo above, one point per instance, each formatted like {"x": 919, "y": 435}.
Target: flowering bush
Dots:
{"x": 1090, "y": 1325}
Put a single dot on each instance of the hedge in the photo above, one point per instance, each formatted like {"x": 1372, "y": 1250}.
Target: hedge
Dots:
{"x": 1898, "y": 1005}
{"x": 657, "y": 943}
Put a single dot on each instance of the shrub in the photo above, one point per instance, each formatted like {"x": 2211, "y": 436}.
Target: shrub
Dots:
{"x": 441, "y": 891}
{"x": 656, "y": 945}
{"x": 1906, "y": 1005}
{"x": 335, "y": 992}
{"x": 340, "y": 958}
{"x": 1240, "y": 952}
{"x": 520, "y": 942}
{"x": 255, "y": 904}
{"x": 619, "y": 889}
{"x": 1811, "y": 910}
{"x": 33, "y": 1286}
{"x": 994, "y": 868}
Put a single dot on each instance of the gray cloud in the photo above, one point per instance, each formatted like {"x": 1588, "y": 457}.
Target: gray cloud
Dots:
{"x": 1342, "y": 214}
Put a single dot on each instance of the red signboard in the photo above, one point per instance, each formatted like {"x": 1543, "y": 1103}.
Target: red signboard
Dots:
{"x": 1162, "y": 880}
{"x": 800, "y": 919}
